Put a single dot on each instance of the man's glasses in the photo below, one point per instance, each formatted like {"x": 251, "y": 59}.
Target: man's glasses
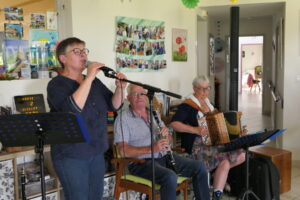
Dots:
{"x": 137, "y": 94}
{"x": 203, "y": 89}
{"x": 79, "y": 52}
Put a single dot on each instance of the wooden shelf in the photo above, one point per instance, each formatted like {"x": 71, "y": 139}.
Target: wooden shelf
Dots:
{"x": 47, "y": 192}
{"x": 282, "y": 159}
{"x": 27, "y": 151}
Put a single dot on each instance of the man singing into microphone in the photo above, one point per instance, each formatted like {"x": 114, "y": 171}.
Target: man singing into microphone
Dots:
{"x": 81, "y": 166}
{"x": 133, "y": 137}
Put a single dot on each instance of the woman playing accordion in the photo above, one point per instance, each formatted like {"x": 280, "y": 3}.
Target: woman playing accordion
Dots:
{"x": 190, "y": 121}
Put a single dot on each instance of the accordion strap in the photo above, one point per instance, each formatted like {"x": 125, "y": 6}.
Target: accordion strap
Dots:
{"x": 191, "y": 103}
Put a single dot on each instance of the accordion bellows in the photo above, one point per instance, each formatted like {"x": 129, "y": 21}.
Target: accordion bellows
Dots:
{"x": 217, "y": 129}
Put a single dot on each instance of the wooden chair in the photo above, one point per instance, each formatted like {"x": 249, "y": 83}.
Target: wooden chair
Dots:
{"x": 125, "y": 181}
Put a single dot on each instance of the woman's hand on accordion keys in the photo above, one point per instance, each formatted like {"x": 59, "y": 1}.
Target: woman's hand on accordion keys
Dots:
{"x": 201, "y": 130}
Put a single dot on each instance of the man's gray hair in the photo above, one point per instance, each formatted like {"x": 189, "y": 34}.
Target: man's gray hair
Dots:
{"x": 129, "y": 88}
{"x": 200, "y": 79}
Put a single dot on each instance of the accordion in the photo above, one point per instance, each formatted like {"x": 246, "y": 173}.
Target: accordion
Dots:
{"x": 220, "y": 126}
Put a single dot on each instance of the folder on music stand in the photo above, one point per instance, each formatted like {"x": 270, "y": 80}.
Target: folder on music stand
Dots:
{"x": 245, "y": 142}
{"x": 251, "y": 140}
{"x": 40, "y": 129}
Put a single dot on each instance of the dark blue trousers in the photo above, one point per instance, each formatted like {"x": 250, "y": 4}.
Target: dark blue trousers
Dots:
{"x": 167, "y": 178}
{"x": 81, "y": 179}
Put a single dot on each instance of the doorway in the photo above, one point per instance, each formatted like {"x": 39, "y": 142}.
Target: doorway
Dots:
{"x": 250, "y": 83}
{"x": 251, "y": 64}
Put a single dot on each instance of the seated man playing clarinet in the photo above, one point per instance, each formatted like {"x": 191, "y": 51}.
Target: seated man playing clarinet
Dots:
{"x": 133, "y": 137}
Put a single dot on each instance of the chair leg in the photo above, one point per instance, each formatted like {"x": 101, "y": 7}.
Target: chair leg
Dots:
{"x": 185, "y": 193}
{"x": 117, "y": 193}
{"x": 150, "y": 196}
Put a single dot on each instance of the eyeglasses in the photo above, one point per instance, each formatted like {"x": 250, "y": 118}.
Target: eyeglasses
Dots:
{"x": 137, "y": 94}
{"x": 79, "y": 52}
{"x": 203, "y": 89}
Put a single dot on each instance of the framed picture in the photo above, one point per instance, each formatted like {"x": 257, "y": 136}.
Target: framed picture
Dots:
{"x": 37, "y": 21}
{"x": 13, "y": 14}
{"x": 14, "y": 52}
{"x": 179, "y": 45}
{"x": 52, "y": 20}
{"x": 140, "y": 45}
{"x": 13, "y": 31}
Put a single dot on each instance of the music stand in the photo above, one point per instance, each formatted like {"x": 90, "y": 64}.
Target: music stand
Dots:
{"x": 40, "y": 129}
{"x": 245, "y": 142}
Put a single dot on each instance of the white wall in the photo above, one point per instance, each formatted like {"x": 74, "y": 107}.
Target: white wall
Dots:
{"x": 291, "y": 79}
{"x": 94, "y": 22}
{"x": 9, "y": 89}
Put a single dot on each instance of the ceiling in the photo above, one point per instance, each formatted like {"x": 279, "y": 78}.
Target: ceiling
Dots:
{"x": 247, "y": 11}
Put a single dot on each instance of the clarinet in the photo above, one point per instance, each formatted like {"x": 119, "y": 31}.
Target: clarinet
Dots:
{"x": 170, "y": 157}
{"x": 23, "y": 183}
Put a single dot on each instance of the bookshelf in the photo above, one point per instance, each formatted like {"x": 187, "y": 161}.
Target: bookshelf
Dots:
{"x": 10, "y": 158}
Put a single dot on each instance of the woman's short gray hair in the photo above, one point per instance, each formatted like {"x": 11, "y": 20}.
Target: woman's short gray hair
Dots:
{"x": 200, "y": 79}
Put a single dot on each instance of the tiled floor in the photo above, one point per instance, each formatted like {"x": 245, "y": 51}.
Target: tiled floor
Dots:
{"x": 250, "y": 103}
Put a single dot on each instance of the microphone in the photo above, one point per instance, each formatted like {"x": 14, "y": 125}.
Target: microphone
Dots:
{"x": 108, "y": 72}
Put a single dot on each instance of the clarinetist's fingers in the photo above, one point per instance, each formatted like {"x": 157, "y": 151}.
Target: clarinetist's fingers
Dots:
{"x": 164, "y": 131}
{"x": 163, "y": 144}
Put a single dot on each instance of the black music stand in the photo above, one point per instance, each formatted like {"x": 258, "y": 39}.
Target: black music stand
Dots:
{"x": 245, "y": 142}
{"x": 40, "y": 129}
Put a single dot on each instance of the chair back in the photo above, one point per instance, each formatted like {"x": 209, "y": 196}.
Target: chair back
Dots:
{"x": 258, "y": 72}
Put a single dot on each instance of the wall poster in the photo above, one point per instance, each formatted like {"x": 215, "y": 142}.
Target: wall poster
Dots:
{"x": 37, "y": 21}
{"x": 42, "y": 49}
{"x": 179, "y": 44}
{"x": 140, "y": 45}
{"x": 52, "y": 20}
{"x": 15, "y": 51}
{"x": 13, "y": 13}
{"x": 13, "y": 31}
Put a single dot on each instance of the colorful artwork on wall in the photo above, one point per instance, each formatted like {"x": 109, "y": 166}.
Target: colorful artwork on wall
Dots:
{"x": 52, "y": 20}
{"x": 179, "y": 45}
{"x": 13, "y": 13}
{"x": 15, "y": 52}
{"x": 13, "y": 31}
{"x": 140, "y": 45}
{"x": 211, "y": 56}
{"x": 42, "y": 49}
{"x": 37, "y": 21}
